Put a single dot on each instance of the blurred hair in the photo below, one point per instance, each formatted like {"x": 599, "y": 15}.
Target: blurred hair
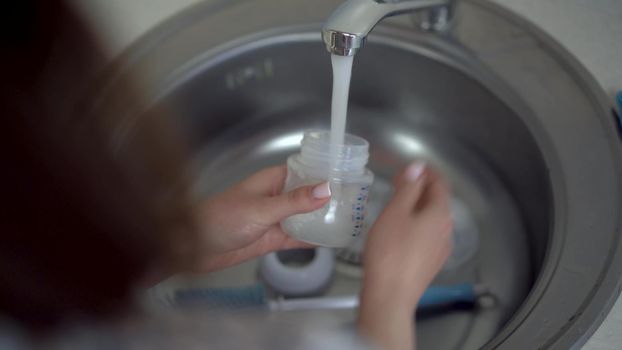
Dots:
{"x": 84, "y": 213}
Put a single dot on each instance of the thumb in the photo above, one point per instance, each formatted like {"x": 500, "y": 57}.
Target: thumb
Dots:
{"x": 300, "y": 200}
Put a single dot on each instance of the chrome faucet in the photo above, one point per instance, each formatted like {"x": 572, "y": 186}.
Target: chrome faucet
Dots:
{"x": 347, "y": 28}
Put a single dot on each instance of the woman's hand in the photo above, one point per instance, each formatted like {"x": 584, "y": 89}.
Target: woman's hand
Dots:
{"x": 243, "y": 222}
{"x": 405, "y": 249}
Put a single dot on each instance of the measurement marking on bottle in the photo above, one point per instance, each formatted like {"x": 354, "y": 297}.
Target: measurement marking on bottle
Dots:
{"x": 359, "y": 211}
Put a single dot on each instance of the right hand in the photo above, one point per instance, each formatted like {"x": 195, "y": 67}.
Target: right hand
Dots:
{"x": 405, "y": 249}
{"x": 243, "y": 222}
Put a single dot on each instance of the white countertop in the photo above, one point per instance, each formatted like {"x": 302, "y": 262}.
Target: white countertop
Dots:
{"x": 590, "y": 29}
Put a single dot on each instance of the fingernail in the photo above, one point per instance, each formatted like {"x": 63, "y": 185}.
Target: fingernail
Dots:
{"x": 414, "y": 171}
{"x": 321, "y": 191}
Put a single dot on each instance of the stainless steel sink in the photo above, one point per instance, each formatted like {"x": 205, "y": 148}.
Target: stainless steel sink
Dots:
{"x": 521, "y": 131}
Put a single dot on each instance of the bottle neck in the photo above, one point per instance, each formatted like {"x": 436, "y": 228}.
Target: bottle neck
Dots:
{"x": 348, "y": 158}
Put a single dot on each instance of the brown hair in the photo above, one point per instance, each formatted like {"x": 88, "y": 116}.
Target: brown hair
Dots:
{"x": 83, "y": 216}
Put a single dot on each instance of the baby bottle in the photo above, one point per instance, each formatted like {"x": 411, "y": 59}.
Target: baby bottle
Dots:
{"x": 341, "y": 220}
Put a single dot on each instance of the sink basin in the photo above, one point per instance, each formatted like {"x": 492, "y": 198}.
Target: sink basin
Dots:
{"x": 520, "y": 130}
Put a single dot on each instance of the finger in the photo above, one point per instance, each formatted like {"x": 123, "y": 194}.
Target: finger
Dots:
{"x": 276, "y": 239}
{"x": 268, "y": 181}
{"x": 435, "y": 199}
{"x": 300, "y": 200}
{"x": 409, "y": 186}
{"x": 291, "y": 243}
{"x": 273, "y": 240}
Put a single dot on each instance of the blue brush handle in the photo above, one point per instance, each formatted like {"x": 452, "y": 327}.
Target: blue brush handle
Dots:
{"x": 255, "y": 296}
{"x": 445, "y": 295}
{"x": 222, "y": 298}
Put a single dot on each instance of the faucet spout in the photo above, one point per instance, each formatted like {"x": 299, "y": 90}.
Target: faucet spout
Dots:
{"x": 345, "y": 31}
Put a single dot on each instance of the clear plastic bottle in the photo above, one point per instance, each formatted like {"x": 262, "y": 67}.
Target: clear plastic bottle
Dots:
{"x": 340, "y": 221}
